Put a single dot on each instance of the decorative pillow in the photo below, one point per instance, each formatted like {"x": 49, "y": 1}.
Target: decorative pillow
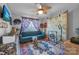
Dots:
{"x": 2, "y": 31}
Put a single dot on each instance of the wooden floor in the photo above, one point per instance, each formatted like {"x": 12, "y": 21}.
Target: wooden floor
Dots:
{"x": 71, "y": 48}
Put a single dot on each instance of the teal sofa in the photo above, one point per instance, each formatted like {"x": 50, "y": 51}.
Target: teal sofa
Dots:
{"x": 27, "y": 36}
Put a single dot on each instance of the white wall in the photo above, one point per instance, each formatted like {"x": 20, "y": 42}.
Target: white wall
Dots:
{"x": 73, "y": 22}
{"x": 5, "y": 30}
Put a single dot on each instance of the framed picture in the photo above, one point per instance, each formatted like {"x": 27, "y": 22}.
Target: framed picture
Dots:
{"x": 52, "y": 36}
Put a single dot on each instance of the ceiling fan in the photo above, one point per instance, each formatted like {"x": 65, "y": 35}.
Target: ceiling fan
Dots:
{"x": 42, "y": 8}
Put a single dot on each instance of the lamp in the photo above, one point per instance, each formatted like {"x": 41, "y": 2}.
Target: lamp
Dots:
{"x": 17, "y": 25}
{"x": 17, "y": 21}
{"x": 40, "y": 11}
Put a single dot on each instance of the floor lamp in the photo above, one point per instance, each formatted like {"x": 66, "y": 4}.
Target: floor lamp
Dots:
{"x": 60, "y": 28}
{"x": 17, "y": 24}
{"x": 45, "y": 27}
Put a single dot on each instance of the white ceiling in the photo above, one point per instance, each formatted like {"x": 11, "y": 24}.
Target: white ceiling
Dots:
{"x": 28, "y": 9}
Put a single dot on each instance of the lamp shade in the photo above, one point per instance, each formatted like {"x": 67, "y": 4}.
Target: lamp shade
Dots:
{"x": 16, "y": 21}
{"x": 6, "y": 13}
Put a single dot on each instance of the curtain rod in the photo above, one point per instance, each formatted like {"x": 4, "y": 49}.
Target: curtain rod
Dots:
{"x": 30, "y": 18}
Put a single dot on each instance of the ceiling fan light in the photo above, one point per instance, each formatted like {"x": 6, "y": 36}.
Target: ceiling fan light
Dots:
{"x": 40, "y": 12}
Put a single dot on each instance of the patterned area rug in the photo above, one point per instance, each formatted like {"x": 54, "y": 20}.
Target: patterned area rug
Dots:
{"x": 42, "y": 48}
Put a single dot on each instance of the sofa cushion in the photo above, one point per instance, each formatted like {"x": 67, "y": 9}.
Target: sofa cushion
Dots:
{"x": 25, "y": 34}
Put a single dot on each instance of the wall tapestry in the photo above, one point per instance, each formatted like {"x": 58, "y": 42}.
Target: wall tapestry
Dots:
{"x": 29, "y": 24}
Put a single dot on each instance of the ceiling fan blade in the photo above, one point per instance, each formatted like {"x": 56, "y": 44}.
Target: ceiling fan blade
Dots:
{"x": 44, "y": 7}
